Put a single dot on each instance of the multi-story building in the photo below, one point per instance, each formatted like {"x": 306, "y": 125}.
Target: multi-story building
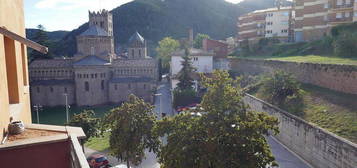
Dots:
{"x": 267, "y": 23}
{"x": 315, "y": 18}
{"x": 38, "y": 146}
{"x": 95, "y": 75}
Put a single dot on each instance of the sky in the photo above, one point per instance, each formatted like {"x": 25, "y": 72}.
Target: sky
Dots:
{"x": 66, "y": 14}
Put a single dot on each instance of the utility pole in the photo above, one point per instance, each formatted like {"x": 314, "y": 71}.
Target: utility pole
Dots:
{"x": 38, "y": 107}
{"x": 67, "y": 107}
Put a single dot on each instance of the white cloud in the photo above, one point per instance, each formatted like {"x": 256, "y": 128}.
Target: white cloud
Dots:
{"x": 76, "y": 4}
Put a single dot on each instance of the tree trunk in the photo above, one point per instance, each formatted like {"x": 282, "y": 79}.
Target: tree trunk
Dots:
{"x": 127, "y": 160}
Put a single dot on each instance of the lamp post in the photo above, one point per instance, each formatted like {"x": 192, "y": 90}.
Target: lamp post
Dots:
{"x": 38, "y": 107}
{"x": 67, "y": 107}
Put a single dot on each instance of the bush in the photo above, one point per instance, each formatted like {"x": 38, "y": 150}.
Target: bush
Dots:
{"x": 283, "y": 90}
{"x": 346, "y": 45}
{"x": 185, "y": 97}
{"x": 86, "y": 119}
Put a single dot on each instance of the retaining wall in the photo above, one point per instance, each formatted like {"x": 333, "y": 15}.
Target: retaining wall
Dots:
{"x": 315, "y": 145}
{"x": 341, "y": 78}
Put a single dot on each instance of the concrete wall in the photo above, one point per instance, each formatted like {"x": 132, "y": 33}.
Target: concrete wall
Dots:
{"x": 119, "y": 92}
{"x": 14, "y": 86}
{"x": 315, "y": 145}
{"x": 341, "y": 78}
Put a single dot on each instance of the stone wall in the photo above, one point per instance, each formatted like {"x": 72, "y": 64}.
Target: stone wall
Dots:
{"x": 315, "y": 145}
{"x": 341, "y": 78}
{"x": 53, "y": 94}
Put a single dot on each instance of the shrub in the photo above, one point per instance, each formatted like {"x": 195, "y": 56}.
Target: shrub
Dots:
{"x": 185, "y": 97}
{"x": 87, "y": 120}
{"x": 283, "y": 90}
{"x": 346, "y": 45}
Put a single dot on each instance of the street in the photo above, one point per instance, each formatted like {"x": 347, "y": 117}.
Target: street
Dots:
{"x": 163, "y": 103}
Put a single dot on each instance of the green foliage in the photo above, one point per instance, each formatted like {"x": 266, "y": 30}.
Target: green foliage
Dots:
{"x": 283, "y": 90}
{"x": 130, "y": 126}
{"x": 41, "y": 37}
{"x": 87, "y": 120}
{"x": 346, "y": 45}
{"x": 197, "y": 43}
{"x": 166, "y": 47}
{"x": 185, "y": 74}
{"x": 222, "y": 133}
{"x": 184, "y": 97}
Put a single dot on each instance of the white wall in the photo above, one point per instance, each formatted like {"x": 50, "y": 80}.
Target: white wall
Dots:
{"x": 280, "y": 20}
{"x": 201, "y": 63}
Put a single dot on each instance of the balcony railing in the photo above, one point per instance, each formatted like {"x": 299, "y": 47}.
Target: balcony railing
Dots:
{"x": 78, "y": 160}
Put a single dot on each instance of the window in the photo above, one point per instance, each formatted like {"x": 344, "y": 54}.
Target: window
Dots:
{"x": 86, "y": 86}
{"x": 102, "y": 84}
{"x": 51, "y": 89}
{"x": 132, "y": 53}
{"x": 92, "y": 50}
{"x": 339, "y": 2}
{"x": 348, "y": 2}
{"x": 11, "y": 71}
{"x": 139, "y": 53}
{"x": 92, "y": 76}
{"x": 285, "y": 13}
{"x": 338, "y": 15}
{"x": 347, "y": 14}
{"x": 65, "y": 90}
{"x": 38, "y": 89}
{"x": 326, "y": 5}
{"x": 144, "y": 86}
{"x": 284, "y": 31}
{"x": 325, "y": 18}
{"x": 355, "y": 14}
{"x": 116, "y": 87}
{"x": 284, "y": 22}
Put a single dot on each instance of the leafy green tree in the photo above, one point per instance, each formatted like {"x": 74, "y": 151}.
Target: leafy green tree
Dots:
{"x": 131, "y": 130}
{"x": 283, "y": 90}
{"x": 184, "y": 97}
{"x": 222, "y": 133}
{"x": 166, "y": 47}
{"x": 41, "y": 38}
{"x": 185, "y": 75}
{"x": 197, "y": 43}
{"x": 87, "y": 120}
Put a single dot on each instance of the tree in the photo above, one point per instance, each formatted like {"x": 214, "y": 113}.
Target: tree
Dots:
{"x": 185, "y": 74}
{"x": 184, "y": 97}
{"x": 131, "y": 125}
{"x": 166, "y": 47}
{"x": 87, "y": 120}
{"x": 346, "y": 45}
{"x": 283, "y": 90}
{"x": 197, "y": 43}
{"x": 41, "y": 38}
{"x": 221, "y": 133}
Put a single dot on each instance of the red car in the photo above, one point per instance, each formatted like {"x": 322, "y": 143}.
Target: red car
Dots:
{"x": 98, "y": 161}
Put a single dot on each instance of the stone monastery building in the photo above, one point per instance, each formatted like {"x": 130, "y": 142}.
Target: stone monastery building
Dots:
{"x": 95, "y": 75}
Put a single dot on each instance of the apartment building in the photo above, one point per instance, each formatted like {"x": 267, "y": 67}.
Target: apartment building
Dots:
{"x": 38, "y": 146}
{"x": 267, "y": 23}
{"x": 315, "y": 18}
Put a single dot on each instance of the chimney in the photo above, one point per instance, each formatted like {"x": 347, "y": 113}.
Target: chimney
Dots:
{"x": 190, "y": 37}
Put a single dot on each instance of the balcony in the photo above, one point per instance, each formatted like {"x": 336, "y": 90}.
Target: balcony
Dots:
{"x": 43, "y": 146}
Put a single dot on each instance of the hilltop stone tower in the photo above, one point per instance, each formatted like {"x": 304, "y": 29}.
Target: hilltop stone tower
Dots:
{"x": 98, "y": 39}
{"x": 137, "y": 47}
{"x": 103, "y": 19}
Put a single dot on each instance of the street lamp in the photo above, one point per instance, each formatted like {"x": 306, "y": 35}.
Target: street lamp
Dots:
{"x": 38, "y": 107}
{"x": 67, "y": 107}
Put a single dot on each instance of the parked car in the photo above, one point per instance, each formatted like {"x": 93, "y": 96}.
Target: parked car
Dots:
{"x": 98, "y": 161}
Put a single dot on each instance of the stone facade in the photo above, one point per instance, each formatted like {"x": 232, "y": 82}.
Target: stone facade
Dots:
{"x": 318, "y": 147}
{"x": 95, "y": 75}
{"x": 341, "y": 78}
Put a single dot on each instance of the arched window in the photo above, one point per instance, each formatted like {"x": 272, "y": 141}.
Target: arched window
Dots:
{"x": 86, "y": 86}
{"x": 51, "y": 89}
{"x": 102, "y": 84}
{"x": 116, "y": 87}
{"x": 92, "y": 50}
{"x": 144, "y": 86}
{"x": 65, "y": 90}
{"x": 140, "y": 53}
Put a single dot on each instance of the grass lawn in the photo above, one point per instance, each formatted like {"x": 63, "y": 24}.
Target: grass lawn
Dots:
{"x": 57, "y": 115}
{"x": 99, "y": 143}
{"x": 310, "y": 59}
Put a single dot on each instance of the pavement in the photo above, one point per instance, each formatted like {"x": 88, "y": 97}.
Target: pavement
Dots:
{"x": 163, "y": 102}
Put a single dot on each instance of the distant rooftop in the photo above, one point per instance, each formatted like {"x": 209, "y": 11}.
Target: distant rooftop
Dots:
{"x": 136, "y": 37}
{"x": 91, "y": 60}
{"x": 193, "y": 52}
{"x": 94, "y": 31}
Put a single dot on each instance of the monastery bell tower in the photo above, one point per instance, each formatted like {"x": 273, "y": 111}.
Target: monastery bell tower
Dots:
{"x": 103, "y": 19}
